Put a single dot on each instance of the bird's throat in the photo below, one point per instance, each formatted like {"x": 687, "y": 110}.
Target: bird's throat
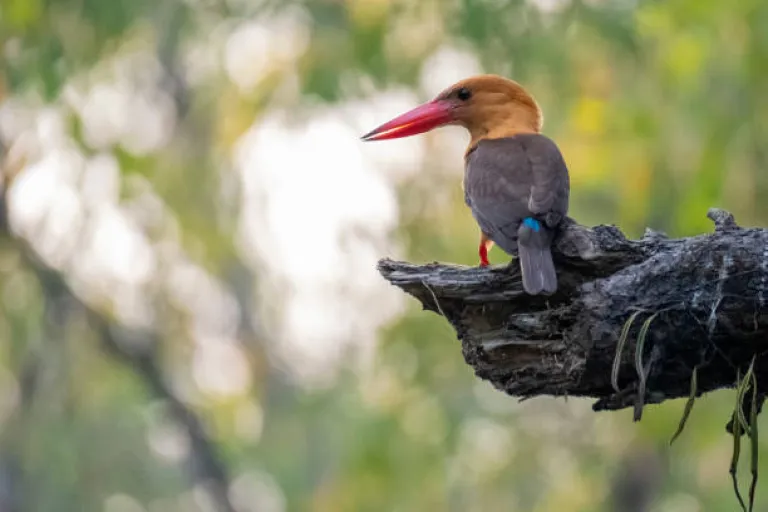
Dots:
{"x": 509, "y": 129}
{"x": 501, "y": 124}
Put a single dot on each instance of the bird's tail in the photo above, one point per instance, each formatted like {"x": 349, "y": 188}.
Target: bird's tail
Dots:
{"x": 534, "y": 242}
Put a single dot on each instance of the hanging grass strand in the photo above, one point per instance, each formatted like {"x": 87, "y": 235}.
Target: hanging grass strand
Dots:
{"x": 736, "y": 432}
{"x": 620, "y": 349}
{"x": 688, "y": 404}
{"x": 642, "y": 371}
{"x": 753, "y": 438}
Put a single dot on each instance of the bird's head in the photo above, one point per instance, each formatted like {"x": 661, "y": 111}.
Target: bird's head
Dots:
{"x": 488, "y": 106}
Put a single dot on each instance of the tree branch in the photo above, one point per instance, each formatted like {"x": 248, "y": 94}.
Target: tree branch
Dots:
{"x": 701, "y": 302}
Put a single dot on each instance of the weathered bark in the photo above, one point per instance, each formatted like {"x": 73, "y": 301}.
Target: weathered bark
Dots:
{"x": 708, "y": 294}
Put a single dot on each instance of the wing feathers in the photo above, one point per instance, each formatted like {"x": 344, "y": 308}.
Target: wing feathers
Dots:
{"x": 510, "y": 179}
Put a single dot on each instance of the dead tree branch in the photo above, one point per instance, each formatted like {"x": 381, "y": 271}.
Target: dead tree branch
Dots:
{"x": 697, "y": 302}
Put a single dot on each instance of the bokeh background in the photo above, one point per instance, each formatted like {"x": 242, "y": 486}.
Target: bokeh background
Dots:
{"x": 190, "y": 315}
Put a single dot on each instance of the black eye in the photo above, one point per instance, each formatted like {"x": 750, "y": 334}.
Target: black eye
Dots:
{"x": 463, "y": 94}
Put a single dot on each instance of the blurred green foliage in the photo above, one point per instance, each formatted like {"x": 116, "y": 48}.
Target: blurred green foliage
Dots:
{"x": 661, "y": 111}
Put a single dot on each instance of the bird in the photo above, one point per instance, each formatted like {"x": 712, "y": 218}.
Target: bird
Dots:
{"x": 516, "y": 182}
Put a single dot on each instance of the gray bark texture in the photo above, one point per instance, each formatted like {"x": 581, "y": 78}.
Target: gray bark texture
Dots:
{"x": 696, "y": 302}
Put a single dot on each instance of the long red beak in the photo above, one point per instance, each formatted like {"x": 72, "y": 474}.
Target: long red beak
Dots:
{"x": 419, "y": 120}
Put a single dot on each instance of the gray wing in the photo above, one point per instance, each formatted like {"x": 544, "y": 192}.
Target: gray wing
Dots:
{"x": 551, "y": 184}
{"x": 509, "y": 179}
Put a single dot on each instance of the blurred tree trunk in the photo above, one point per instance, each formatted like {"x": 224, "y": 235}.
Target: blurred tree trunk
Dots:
{"x": 205, "y": 466}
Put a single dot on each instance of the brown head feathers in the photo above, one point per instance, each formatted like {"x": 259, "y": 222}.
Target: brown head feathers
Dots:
{"x": 492, "y": 107}
{"x": 488, "y": 106}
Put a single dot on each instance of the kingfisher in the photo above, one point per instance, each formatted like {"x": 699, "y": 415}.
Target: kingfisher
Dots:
{"x": 516, "y": 181}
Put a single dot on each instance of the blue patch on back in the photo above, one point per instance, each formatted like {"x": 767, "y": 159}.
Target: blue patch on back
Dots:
{"x": 532, "y": 223}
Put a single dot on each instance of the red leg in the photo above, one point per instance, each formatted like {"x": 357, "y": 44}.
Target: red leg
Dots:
{"x": 485, "y": 246}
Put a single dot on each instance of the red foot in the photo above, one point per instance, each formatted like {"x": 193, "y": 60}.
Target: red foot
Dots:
{"x": 483, "y": 251}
